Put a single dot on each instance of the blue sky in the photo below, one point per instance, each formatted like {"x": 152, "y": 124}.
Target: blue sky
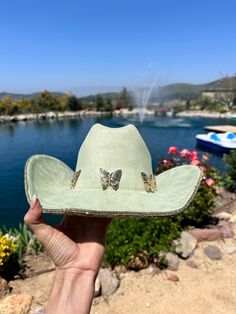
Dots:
{"x": 86, "y": 45}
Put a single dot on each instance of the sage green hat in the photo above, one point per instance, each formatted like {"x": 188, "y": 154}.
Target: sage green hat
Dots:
{"x": 113, "y": 177}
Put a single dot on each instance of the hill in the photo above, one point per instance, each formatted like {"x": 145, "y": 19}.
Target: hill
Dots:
{"x": 182, "y": 91}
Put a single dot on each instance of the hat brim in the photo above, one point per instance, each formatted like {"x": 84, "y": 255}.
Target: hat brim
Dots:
{"x": 48, "y": 178}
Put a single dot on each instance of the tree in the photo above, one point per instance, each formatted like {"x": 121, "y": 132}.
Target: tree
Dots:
{"x": 125, "y": 98}
{"x": 8, "y": 106}
{"x": 99, "y": 101}
{"x": 108, "y": 107}
{"x": 46, "y": 101}
{"x": 227, "y": 93}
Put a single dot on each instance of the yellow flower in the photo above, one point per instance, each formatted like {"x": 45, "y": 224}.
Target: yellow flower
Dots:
{"x": 7, "y": 247}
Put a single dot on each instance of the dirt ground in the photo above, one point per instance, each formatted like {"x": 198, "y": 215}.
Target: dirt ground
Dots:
{"x": 209, "y": 288}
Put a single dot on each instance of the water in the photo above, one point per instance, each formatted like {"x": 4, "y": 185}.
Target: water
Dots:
{"x": 62, "y": 139}
{"x": 142, "y": 95}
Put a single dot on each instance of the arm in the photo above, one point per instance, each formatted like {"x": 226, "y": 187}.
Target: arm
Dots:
{"x": 76, "y": 248}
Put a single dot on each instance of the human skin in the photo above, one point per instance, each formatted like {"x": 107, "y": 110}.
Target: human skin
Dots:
{"x": 76, "y": 247}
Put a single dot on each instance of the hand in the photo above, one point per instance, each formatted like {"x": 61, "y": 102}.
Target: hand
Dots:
{"x": 76, "y": 248}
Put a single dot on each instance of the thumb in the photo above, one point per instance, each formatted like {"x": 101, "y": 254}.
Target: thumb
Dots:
{"x": 34, "y": 220}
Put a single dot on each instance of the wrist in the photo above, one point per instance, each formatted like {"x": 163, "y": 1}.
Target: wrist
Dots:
{"x": 72, "y": 291}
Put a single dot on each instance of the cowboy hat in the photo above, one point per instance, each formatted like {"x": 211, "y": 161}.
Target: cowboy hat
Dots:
{"x": 113, "y": 177}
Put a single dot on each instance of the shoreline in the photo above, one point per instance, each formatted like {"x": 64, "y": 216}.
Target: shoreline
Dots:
{"x": 116, "y": 113}
{"x": 71, "y": 114}
{"x": 204, "y": 114}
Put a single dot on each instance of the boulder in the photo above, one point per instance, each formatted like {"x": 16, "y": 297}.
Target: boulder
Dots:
{"x": 153, "y": 270}
{"x": 16, "y": 304}
{"x": 50, "y": 115}
{"x": 172, "y": 261}
{"x": 233, "y": 218}
{"x": 4, "y": 288}
{"x": 109, "y": 283}
{"x": 97, "y": 288}
{"x": 213, "y": 252}
{"x": 186, "y": 244}
{"x": 38, "y": 310}
{"x": 206, "y": 234}
{"x": 229, "y": 249}
{"x": 225, "y": 228}
{"x": 223, "y": 216}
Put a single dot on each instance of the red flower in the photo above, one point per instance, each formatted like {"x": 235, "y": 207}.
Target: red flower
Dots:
{"x": 203, "y": 169}
{"x": 185, "y": 153}
{"x": 195, "y": 162}
{"x": 173, "y": 150}
{"x": 210, "y": 181}
{"x": 204, "y": 157}
{"x": 193, "y": 155}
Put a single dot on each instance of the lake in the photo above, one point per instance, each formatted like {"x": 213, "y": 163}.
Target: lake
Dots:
{"x": 62, "y": 139}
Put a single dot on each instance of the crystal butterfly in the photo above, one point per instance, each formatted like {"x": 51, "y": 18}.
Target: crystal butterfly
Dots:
{"x": 149, "y": 182}
{"x": 110, "y": 179}
{"x": 74, "y": 179}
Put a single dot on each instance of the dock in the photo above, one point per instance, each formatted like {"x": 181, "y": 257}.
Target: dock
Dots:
{"x": 221, "y": 128}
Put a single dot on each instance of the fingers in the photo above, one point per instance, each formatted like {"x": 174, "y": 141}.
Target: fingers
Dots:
{"x": 34, "y": 220}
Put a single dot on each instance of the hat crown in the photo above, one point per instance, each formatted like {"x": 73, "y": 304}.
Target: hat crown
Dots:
{"x": 113, "y": 149}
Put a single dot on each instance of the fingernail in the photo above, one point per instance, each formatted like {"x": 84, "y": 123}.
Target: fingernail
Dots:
{"x": 33, "y": 201}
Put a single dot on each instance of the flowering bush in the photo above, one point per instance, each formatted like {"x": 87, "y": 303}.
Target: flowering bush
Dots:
{"x": 7, "y": 251}
{"x": 230, "y": 176}
{"x": 199, "y": 211}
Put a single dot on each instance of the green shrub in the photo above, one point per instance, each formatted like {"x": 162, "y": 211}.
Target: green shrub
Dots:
{"x": 230, "y": 178}
{"x": 128, "y": 237}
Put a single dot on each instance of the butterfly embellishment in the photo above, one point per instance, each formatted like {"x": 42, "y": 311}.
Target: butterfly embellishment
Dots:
{"x": 149, "y": 182}
{"x": 110, "y": 179}
{"x": 74, "y": 179}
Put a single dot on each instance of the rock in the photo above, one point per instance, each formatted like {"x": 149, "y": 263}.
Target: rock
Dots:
{"x": 223, "y": 216}
{"x": 97, "y": 289}
{"x": 172, "y": 277}
{"x": 225, "y": 228}
{"x": 21, "y": 117}
{"x": 121, "y": 269}
{"x": 50, "y": 115}
{"x": 233, "y": 218}
{"x": 186, "y": 244}
{"x": 173, "y": 261}
{"x": 153, "y": 270}
{"x": 109, "y": 283}
{"x": 4, "y": 288}
{"x": 140, "y": 261}
{"x": 192, "y": 264}
{"x": 38, "y": 310}
{"x": 229, "y": 249}
{"x": 16, "y": 304}
{"x": 206, "y": 234}
{"x": 213, "y": 252}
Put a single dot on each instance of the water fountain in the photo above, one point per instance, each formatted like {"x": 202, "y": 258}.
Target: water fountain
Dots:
{"x": 142, "y": 92}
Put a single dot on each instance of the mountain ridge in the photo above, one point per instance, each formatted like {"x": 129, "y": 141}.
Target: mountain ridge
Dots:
{"x": 166, "y": 92}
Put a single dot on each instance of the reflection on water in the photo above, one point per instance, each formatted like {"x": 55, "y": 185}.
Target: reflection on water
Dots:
{"x": 62, "y": 139}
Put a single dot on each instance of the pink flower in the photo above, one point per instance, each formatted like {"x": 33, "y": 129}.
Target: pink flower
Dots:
{"x": 173, "y": 150}
{"x": 193, "y": 155}
{"x": 195, "y": 162}
{"x": 185, "y": 153}
{"x": 203, "y": 169}
{"x": 204, "y": 157}
{"x": 210, "y": 181}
